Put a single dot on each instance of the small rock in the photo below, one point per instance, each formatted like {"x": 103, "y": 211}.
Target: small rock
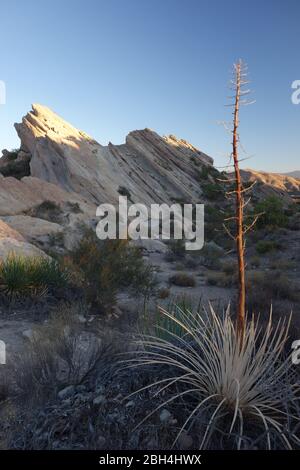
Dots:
{"x": 100, "y": 389}
{"x": 165, "y": 416}
{"x": 101, "y": 441}
{"x": 99, "y": 400}
{"x": 28, "y": 334}
{"x": 81, "y": 319}
{"x": 66, "y": 392}
{"x": 129, "y": 404}
{"x": 185, "y": 441}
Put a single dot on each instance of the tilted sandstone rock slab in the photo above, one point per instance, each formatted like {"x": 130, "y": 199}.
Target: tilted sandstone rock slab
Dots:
{"x": 11, "y": 241}
{"x": 32, "y": 228}
{"x": 150, "y": 168}
{"x": 20, "y": 196}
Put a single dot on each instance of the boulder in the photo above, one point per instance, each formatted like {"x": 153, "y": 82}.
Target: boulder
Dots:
{"x": 11, "y": 241}
{"x": 33, "y": 229}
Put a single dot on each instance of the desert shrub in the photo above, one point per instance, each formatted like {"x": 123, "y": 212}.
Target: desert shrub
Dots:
{"x": 57, "y": 239}
{"x": 265, "y": 246}
{"x": 16, "y": 169}
{"x": 214, "y": 219}
{"x": 176, "y": 249}
{"x": 207, "y": 171}
{"x": 183, "y": 280}
{"x": 211, "y": 255}
{"x": 229, "y": 267}
{"x": 234, "y": 396}
{"x": 213, "y": 191}
{"x": 283, "y": 264}
{"x": 47, "y": 210}
{"x": 163, "y": 293}
{"x": 219, "y": 279}
{"x": 105, "y": 266}
{"x": 59, "y": 354}
{"x": 74, "y": 207}
{"x": 255, "y": 262}
{"x": 265, "y": 288}
{"x": 191, "y": 262}
{"x": 124, "y": 191}
{"x": 273, "y": 213}
{"x": 24, "y": 276}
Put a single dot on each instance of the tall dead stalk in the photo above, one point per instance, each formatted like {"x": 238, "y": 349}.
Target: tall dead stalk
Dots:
{"x": 237, "y": 84}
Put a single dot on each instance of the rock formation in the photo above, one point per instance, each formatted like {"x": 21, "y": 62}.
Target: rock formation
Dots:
{"x": 60, "y": 174}
{"x": 150, "y": 167}
{"x": 53, "y": 183}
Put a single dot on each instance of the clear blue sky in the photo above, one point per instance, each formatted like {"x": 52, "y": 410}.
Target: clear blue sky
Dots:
{"x": 111, "y": 66}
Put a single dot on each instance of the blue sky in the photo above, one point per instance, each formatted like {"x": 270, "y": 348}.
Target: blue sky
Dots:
{"x": 111, "y": 66}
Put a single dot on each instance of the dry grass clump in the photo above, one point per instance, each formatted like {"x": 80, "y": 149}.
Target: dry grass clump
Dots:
{"x": 60, "y": 353}
{"x": 182, "y": 279}
{"x": 25, "y": 276}
{"x": 272, "y": 286}
{"x": 221, "y": 279}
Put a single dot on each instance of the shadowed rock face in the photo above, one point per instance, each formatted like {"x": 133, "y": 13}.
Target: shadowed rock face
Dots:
{"x": 150, "y": 167}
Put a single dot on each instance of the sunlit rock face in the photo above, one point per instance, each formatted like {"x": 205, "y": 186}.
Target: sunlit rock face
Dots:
{"x": 268, "y": 184}
{"x": 12, "y": 241}
{"x": 151, "y": 168}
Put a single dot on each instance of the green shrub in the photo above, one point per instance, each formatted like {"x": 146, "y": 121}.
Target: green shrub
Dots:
{"x": 102, "y": 267}
{"x": 207, "y": 171}
{"x": 212, "y": 191}
{"x": 23, "y": 276}
{"x": 47, "y": 210}
{"x": 183, "y": 280}
{"x": 265, "y": 246}
{"x": 273, "y": 213}
{"x": 214, "y": 219}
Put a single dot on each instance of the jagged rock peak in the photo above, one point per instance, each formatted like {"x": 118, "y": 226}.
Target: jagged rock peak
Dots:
{"x": 41, "y": 122}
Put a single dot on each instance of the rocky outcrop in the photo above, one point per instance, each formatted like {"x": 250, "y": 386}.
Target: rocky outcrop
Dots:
{"x": 33, "y": 229}
{"x": 19, "y": 196}
{"x": 150, "y": 167}
{"x": 11, "y": 241}
{"x": 267, "y": 184}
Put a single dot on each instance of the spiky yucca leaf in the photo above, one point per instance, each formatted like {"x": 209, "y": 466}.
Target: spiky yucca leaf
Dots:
{"x": 236, "y": 385}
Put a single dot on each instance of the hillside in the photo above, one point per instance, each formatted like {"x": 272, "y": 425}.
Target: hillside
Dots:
{"x": 293, "y": 174}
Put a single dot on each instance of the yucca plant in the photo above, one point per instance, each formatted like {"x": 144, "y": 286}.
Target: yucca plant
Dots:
{"x": 163, "y": 326}
{"x": 23, "y": 276}
{"x": 242, "y": 392}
